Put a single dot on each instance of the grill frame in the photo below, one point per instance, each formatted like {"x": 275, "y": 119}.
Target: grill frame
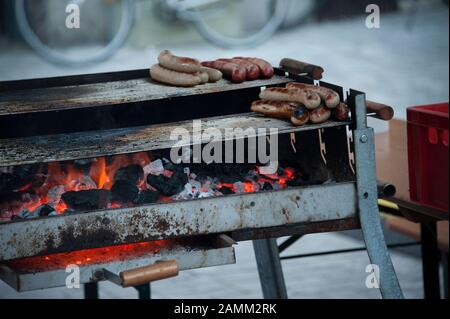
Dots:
{"x": 364, "y": 215}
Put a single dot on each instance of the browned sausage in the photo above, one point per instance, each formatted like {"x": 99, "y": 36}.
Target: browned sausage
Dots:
{"x": 265, "y": 67}
{"x": 341, "y": 112}
{"x": 179, "y": 64}
{"x": 309, "y": 99}
{"x": 300, "y": 116}
{"x": 160, "y": 74}
{"x": 253, "y": 72}
{"x": 320, "y": 115}
{"x": 232, "y": 71}
{"x": 330, "y": 97}
{"x": 213, "y": 74}
{"x": 275, "y": 109}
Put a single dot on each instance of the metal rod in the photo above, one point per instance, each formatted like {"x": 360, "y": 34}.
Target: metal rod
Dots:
{"x": 91, "y": 291}
{"x": 269, "y": 268}
{"x": 288, "y": 242}
{"x": 144, "y": 291}
{"x": 430, "y": 261}
{"x": 345, "y": 251}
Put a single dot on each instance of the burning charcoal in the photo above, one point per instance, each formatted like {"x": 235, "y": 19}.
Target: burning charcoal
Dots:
{"x": 44, "y": 210}
{"x": 86, "y": 199}
{"x": 295, "y": 183}
{"x": 132, "y": 174}
{"x": 168, "y": 186}
{"x": 147, "y": 197}
{"x": 154, "y": 168}
{"x": 267, "y": 186}
{"x": 124, "y": 191}
{"x": 226, "y": 190}
{"x": 82, "y": 184}
{"x": 10, "y": 182}
{"x": 83, "y": 164}
{"x": 54, "y": 194}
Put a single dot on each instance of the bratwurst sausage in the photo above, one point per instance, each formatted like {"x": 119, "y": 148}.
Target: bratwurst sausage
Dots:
{"x": 330, "y": 97}
{"x": 320, "y": 115}
{"x": 309, "y": 99}
{"x": 275, "y": 109}
{"x": 232, "y": 71}
{"x": 160, "y": 74}
{"x": 300, "y": 116}
{"x": 178, "y": 64}
{"x": 213, "y": 74}
{"x": 265, "y": 67}
{"x": 341, "y": 112}
{"x": 253, "y": 72}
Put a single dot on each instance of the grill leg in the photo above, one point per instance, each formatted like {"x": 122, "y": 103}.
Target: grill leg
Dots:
{"x": 369, "y": 216}
{"x": 91, "y": 291}
{"x": 445, "y": 266}
{"x": 430, "y": 261}
{"x": 269, "y": 268}
{"x": 144, "y": 291}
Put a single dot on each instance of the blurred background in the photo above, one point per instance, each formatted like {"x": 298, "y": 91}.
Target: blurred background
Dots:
{"x": 403, "y": 63}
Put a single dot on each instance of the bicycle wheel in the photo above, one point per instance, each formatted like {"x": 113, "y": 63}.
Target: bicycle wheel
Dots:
{"x": 279, "y": 10}
{"x": 47, "y": 34}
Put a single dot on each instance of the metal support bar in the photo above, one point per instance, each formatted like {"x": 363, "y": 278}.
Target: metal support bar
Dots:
{"x": 269, "y": 268}
{"x": 430, "y": 261}
{"x": 288, "y": 243}
{"x": 344, "y": 251}
{"x": 91, "y": 291}
{"x": 364, "y": 148}
{"x": 445, "y": 266}
{"x": 144, "y": 291}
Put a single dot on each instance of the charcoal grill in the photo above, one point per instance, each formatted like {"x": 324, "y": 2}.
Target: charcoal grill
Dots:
{"x": 111, "y": 114}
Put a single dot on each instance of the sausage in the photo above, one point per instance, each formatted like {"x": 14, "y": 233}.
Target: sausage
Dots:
{"x": 300, "y": 116}
{"x": 179, "y": 64}
{"x": 265, "y": 67}
{"x": 328, "y": 96}
{"x": 309, "y": 99}
{"x": 213, "y": 74}
{"x": 320, "y": 115}
{"x": 160, "y": 74}
{"x": 232, "y": 71}
{"x": 253, "y": 72}
{"x": 204, "y": 77}
{"x": 341, "y": 112}
{"x": 275, "y": 109}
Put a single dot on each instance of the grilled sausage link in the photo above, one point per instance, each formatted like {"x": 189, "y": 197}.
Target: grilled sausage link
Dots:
{"x": 341, "y": 112}
{"x": 265, "y": 67}
{"x": 328, "y": 96}
{"x": 320, "y": 115}
{"x": 309, "y": 99}
{"x": 275, "y": 109}
{"x": 232, "y": 71}
{"x": 300, "y": 116}
{"x": 178, "y": 64}
{"x": 204, "y": 77}
{"x": 160, "y": 74}
{"x": 213, "y": 74}
{"x": 253, "y": 72}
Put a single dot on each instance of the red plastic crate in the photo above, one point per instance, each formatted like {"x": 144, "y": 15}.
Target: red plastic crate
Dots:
{"x": 428, "y": 155}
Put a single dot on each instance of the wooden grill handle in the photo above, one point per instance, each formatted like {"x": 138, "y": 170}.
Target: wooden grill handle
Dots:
{"x": 299, "y": 67}
{"x": 382, "y": 111}
{"x": 144, "y": 275}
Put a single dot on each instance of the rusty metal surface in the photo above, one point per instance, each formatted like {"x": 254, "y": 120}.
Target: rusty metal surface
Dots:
{"x": 84, "y": 145}
{"x": 111, "y": 93}
{"x": 185, "y": 218}
{"x": 26, "y": 279}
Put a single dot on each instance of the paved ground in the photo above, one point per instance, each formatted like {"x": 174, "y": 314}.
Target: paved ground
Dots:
{"x": 397, "y": 64}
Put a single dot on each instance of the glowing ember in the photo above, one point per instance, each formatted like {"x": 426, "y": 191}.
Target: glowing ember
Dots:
{"x": 124, "y": 181}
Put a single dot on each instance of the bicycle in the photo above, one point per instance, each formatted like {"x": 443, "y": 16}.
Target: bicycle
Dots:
{"x": 194, "y": 12}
